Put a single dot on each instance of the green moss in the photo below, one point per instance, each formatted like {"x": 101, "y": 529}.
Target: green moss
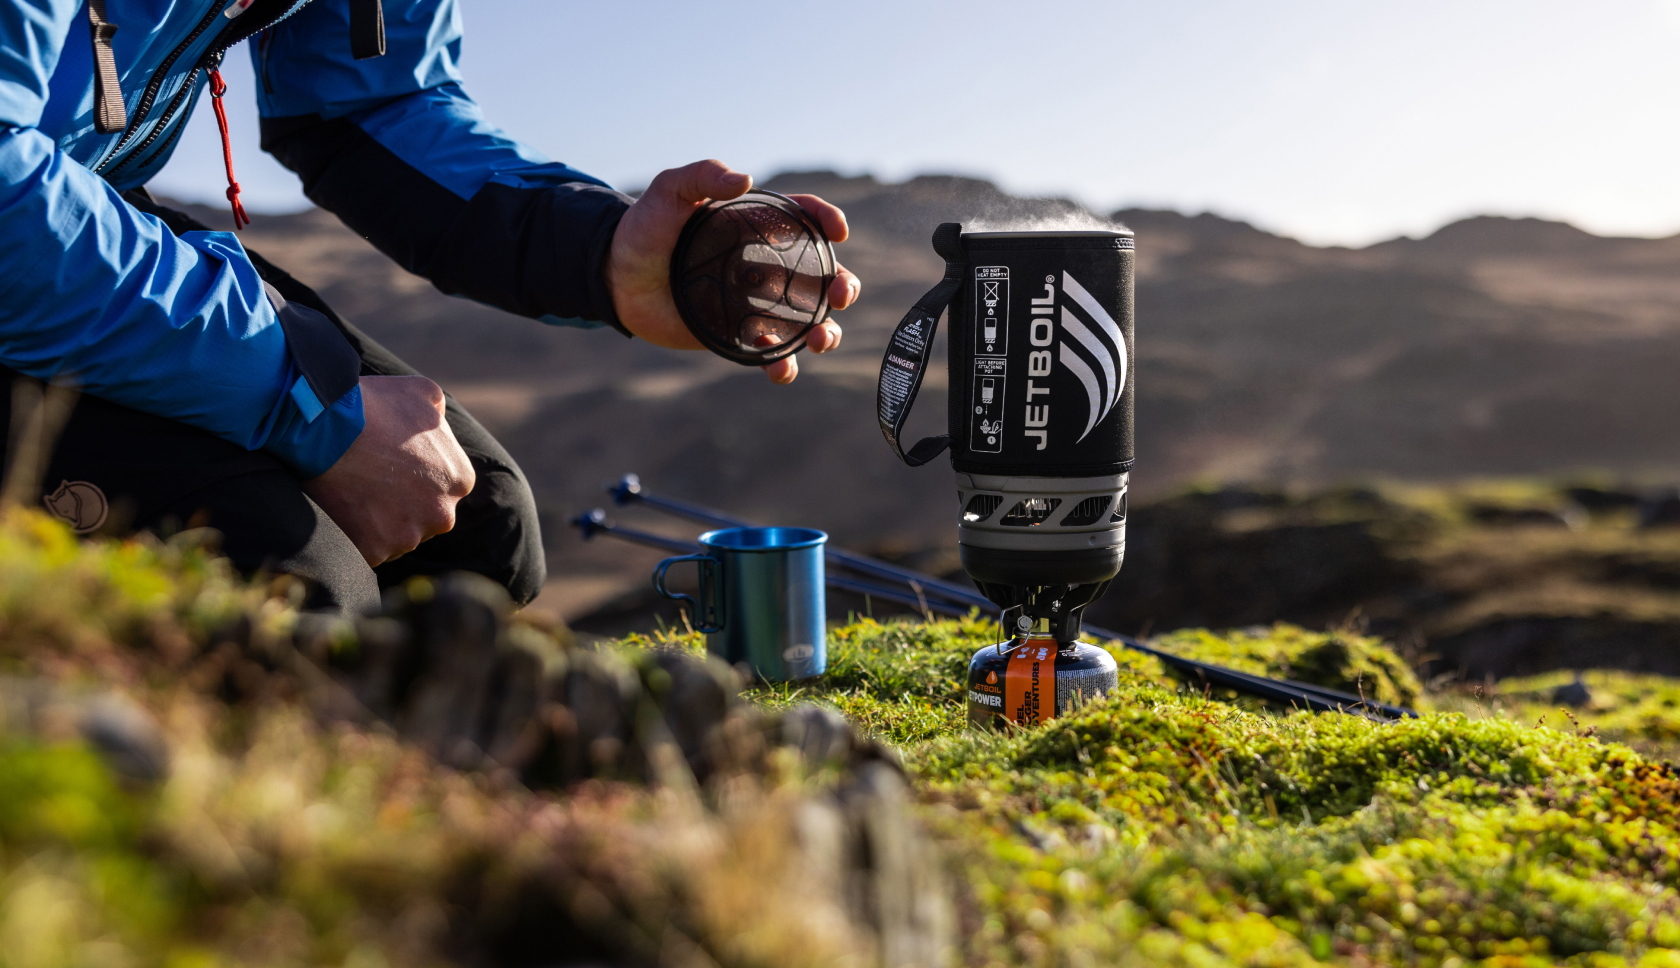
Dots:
{"x": 1166, "y": 827}
{"x": 1184, "y": 830}
{"x": 1161, "y": 826}
{"x": 1639, "y": 710}
{"x": 905, "y": 681}
{"x": 62, "y": 795}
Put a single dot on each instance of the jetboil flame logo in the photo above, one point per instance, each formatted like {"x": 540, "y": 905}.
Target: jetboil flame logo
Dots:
{"x": 1093, "y": 350}
{"x": 1105, "y": 347}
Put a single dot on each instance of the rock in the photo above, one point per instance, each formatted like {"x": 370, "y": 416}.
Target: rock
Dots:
{"x": 439, "y": 667}
{"x": 696, "y": 697}
{"x": 1574, "y": 694}
{"x": 1660, "y": 510}
{"x": 511, "y": 732}
{"x": 455, "y": 637}
{"x": 609, "y": 718}
{"x": 826, "y": 738}
{"x": 1499, "y": 514}
{"x": 820, "y": 734}
{"x": 127, "y": 738}
{"x": 375, "y": 668}
{"x": 118, "y": 729}
{"x": 590, "y": 713}
{"x": 442, "y": 666}
{"x": 1602, "y": 499}
{"x": 897, "y": 884}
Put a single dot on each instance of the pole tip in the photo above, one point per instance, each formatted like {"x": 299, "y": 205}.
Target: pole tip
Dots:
{"x": 590, "y": 522}
{"x": 628, "y": 488}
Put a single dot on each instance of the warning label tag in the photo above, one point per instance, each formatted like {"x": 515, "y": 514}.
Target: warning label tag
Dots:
{"x": 906, "y": 358}
{"x": 901, "y": 370}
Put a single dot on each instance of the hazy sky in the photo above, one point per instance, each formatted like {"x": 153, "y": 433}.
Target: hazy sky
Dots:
{"x": 1329, "y": 121}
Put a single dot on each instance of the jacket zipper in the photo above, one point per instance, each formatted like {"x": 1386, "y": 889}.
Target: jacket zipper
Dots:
{"x": 144, "y": 108}
{"x": 212, "y": 59}
{"x": 247, "y": 26}
{"x": 187, "y": 89}
{"x": 174, "y": 136}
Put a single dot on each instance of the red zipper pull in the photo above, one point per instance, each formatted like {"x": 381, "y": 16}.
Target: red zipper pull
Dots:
{"x": 217, "y": 89}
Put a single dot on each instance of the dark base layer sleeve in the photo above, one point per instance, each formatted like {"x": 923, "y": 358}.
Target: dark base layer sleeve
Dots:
{"x": 533, "y": 251}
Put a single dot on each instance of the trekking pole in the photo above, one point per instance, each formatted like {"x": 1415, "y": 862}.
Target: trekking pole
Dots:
{"x": 1287, "y": 691}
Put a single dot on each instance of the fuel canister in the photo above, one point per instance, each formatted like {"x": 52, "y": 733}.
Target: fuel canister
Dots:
{"x": 1034, "y": 679}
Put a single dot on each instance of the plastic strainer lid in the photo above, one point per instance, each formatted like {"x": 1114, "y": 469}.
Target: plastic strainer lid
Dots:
{"x": 750, "y": 277}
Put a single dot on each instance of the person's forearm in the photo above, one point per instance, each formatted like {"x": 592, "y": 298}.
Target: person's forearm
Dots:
{"x": 98, "y": 294}
{"x": 429, "y": 182}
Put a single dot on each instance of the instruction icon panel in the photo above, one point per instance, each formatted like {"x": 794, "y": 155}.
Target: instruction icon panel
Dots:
{"x": 991, "y": 310}
{"x": 986, "y": 422}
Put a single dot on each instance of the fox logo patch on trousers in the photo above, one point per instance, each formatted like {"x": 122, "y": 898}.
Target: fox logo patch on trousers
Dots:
{"x": 79, "y": 504}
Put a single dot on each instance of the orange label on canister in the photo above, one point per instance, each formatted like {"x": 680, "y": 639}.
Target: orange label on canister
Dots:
{"x": 1029, "y": 687}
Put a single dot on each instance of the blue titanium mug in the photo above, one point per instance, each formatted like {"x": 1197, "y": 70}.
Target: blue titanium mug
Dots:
{"x": 761, "y": 599}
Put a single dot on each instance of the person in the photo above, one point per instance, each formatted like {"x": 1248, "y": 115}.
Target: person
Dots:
{"x": 217, "y": 390}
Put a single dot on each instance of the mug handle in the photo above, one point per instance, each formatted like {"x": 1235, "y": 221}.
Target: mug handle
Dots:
{"x": 707, "y": 618}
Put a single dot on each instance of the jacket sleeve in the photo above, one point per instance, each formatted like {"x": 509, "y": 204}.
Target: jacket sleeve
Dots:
{"x": 96, "y": 293}
{"x": 396, "y": 149}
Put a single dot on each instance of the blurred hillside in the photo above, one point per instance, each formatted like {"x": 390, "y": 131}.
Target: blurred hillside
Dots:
{"x": 1492, "y": 347}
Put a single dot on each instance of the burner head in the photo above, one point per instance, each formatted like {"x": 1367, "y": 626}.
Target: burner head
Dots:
{"x": 750, "y": 277}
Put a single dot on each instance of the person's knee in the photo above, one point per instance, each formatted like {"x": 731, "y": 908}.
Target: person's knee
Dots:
{"x": 338, "y": 577}
{"x": 342, "y": 585}
{"x": 527, "y": 564}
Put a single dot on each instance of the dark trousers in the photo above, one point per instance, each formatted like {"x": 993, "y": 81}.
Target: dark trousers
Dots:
{"x": 160, "y": 474}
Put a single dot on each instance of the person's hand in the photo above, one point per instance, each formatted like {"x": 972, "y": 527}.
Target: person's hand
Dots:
{"x": 399, "y": 482}
{"x": 639, "y": 265}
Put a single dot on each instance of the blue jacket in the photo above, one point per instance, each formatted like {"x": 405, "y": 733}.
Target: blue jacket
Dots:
{"x": 97, "y": 292}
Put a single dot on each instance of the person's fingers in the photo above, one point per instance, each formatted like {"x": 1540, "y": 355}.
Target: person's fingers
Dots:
{"x": 462, "y": 475}
{"x": 697, "y": 182}
{"x": 394, "y": 548}
{"x": 844, "y": 290}
{"x": 832, "y": 220}
{"x": 783, "y": 371}
{"x": 440, "y": 521}
{"x": 824, "y": 338}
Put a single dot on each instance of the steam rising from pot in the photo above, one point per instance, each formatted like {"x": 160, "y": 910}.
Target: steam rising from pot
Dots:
{"x": 1077, "y": 221}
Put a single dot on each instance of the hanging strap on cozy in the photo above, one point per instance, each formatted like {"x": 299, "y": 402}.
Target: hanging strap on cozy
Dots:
{"x": 217, "y": 88}
{"x": 906, "y": 360}
{"x": 367, "y": 29}
{"x": 109, "y": 114}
